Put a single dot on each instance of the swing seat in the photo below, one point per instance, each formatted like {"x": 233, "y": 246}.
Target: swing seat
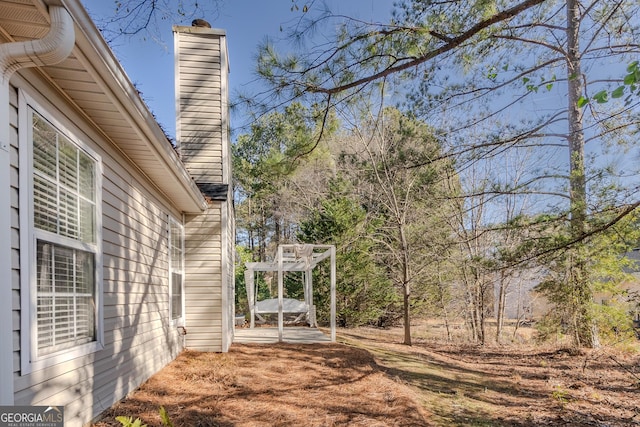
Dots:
{"x": 289, "y": 306}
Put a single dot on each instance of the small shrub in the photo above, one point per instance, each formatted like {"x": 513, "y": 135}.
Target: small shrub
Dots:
{"x": 561, "y": 395}
{"x": 164, "y": 416}
{"x": 130, "y": 422}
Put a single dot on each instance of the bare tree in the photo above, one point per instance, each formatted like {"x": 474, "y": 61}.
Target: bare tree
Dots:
{"x": 405, "y": 199}
{"x": 488, "y": 58}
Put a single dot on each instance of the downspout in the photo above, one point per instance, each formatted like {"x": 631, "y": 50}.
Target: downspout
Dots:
{"x": 51, "y": 49}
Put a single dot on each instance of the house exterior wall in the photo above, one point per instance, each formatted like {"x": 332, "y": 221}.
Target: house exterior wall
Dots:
{"x": 201, "y": 71}
{"x": 209, "y": 278}
{"x": 228, "y": 271}
{"x": 137, "y": 336}
{"x": 203, "y": 279}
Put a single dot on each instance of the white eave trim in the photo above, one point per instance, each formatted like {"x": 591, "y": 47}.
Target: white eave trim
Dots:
{"x": 95, "y": 49}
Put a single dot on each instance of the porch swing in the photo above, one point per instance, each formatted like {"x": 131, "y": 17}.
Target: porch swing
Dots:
{"x": 291, "y": 258}
{"x": 295, "y": 310}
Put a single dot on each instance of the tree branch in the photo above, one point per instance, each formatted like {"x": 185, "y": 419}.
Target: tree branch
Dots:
{"x": 448, "y": 46}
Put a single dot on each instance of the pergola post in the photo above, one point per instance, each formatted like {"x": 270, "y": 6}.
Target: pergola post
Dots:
{"x": 333, "y": 293}
{"x": 280, "y": 296}
{"x": 308, "y": 284}
{"x": 248, "y": 282}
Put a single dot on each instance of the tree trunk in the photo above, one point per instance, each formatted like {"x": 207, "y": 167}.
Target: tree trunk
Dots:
{"x": 250, "y": 228}
{"x": 262, "y": 234}
{"x": 443, "y": 305}
{"x": 479, "y": 295}
{"x": 406, "y": 290}
{"x": 470, "y": 312}
{"x": 407, "y": 324}
{"x": 447, "y": 326}
{"x": 502, "y": 296}
{"x": 584, "y": 334}
{"x": 520, "y": 310}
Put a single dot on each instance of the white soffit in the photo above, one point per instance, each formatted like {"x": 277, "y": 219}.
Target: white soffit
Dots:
{"x": 92, "y": 79}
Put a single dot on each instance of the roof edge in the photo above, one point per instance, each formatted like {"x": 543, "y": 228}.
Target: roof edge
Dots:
{"x": 115, "y": 77}
{"x": 198, "y": 30}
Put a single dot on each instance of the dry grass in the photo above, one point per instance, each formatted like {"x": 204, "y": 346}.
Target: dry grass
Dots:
{"x": 512, "y": 385}
{"x": 274, "y": 385}
{"x": 373, "y": 380}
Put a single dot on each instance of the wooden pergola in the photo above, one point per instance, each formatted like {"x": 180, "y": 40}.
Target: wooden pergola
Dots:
{"x": 292, "y": 257}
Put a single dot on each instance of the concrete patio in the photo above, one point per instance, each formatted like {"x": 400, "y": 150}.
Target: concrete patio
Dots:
{"x": 297, "y": 335}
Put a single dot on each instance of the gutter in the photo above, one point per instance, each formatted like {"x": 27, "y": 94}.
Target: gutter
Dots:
{"x": 51, "y": 49}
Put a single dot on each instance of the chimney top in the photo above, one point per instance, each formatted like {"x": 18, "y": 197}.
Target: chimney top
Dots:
{"x": 200, "y": 23}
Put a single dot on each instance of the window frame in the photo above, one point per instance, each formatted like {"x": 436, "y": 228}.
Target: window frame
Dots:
{"x": 29, "y": 236}
{"x": 180, "y": 320}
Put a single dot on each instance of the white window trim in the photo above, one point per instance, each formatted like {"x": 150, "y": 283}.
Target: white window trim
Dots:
{"x": 29, "y": 361}
{"x": 180, "y": 320}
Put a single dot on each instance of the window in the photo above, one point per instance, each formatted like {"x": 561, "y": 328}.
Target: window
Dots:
{"x": 65, "y": 297}
{"x": 176, "y": 270}
{"x": 63, "y": 244}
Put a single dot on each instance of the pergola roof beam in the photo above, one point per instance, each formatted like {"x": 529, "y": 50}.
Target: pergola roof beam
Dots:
{"x": 290, "y": 263}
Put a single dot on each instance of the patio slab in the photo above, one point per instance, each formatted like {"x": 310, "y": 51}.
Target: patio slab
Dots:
{"x": 298, "y": 335}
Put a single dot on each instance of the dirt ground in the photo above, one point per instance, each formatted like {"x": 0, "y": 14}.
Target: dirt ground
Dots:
{"x": 512, "y": 385}
{"x": 370, "y": 379}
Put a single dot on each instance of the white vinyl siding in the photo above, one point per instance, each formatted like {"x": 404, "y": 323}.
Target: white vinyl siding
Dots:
{"x": 138, "y": 182}
{"x": 228, "y": 270}
{"x": 133, "y": 340}
{"x": 203, "y": 261}
{"x": 201, "y": 79}
{"x": 176, "y": 270}
{"x": 201, "y": 71}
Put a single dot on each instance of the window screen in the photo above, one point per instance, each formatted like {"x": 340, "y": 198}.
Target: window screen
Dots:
{"x": 64, "y": 217}
{"x": 176, "y": 250}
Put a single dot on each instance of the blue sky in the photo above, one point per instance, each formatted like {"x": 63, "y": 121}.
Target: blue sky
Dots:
{"x": 149, "y": 63}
